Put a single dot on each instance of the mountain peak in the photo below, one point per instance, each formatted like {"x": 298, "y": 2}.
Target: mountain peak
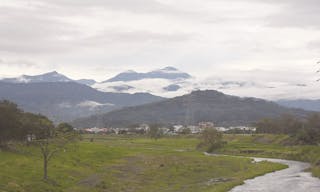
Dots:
{"x": 53, "y": 76}
{"x": 169, "y": 73}
{"x": 130, "y": 71}
{"x": 52, "y": 73}
{"x": 169, "y": 68}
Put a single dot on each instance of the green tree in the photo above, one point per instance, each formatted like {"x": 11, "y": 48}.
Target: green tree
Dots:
{"x": 186, "y": 131}
{"x": 65, "y": 128}
{"x": 155, "y": 132}
{"x": 33, "y": 125}
{"x": 303, "y": 131}
{"x": 17, "y": 125}
{"x": 310, "y": 133}
{"x": 285, "y": 124}
{"x": 211, "y": 139}
{"x": 10, "y": 125}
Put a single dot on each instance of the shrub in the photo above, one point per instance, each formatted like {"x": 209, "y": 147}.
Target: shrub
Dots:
{"x": 211, "y": 139}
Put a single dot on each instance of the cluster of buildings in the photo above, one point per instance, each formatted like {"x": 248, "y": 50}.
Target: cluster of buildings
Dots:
{"x": 168, "y": 130}
{"x": 112, "y": 130}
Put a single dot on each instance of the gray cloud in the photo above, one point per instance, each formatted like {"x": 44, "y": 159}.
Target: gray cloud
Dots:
{"x": 315, "y": 45}
{"x": 17, "y": 63}
{"x": 136, "y": 37}
{"x": 43, "y": 27}
{"x": 199, "y": 36}
{"x": 287, "y": 13}
{"x": 296, "y": 13}
{"x": 137, "y": 6}
{"x": 23, "y": 30}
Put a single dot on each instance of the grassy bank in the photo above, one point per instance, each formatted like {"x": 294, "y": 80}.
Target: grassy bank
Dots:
{"x": 276, "y": 146}
{"x": 128, "y": 164}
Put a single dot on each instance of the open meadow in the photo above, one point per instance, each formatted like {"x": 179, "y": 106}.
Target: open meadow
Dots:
{"x": 128, "y": 163}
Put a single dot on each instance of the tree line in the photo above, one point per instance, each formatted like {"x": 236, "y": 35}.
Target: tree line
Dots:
{"x": 34, "y": 129}
{"x": 17, "y": 125}
{"x": 304, "y": 131}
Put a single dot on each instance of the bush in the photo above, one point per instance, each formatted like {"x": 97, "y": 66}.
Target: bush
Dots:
{"x": 302, "y": 131}
{"x": 155, "y": 132}
{"x": 186, "y": 131}
{"x": 211, "y": 139}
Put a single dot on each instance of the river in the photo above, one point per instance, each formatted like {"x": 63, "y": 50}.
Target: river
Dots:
{"x": 292, "y": 179}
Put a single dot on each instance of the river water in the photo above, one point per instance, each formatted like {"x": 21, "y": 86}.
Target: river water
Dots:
{"x": 292, "y": 179}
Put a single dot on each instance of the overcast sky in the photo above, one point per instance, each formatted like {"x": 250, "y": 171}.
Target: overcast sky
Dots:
{"x": 274, "y": 39}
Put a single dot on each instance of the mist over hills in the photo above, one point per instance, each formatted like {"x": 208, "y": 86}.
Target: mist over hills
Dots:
{"x": 165, "y": 73}
{"x": 66, "y": 101}
{"x": 170, "y": 82}
{"x": 165, "y": 82}
{"x": 223, "y": 110}
{"x": 307, "y": 104}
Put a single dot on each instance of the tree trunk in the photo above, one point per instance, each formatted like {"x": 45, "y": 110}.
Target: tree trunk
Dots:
{"x": 45, "y": 167}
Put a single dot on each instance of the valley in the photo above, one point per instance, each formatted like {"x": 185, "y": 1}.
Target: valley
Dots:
{"x": 117, "y": 163}
{"x": 134, "y": 163}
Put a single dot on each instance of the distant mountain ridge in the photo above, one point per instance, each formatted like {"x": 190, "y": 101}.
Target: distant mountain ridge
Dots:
{"x": 165, "y": 73}
{"x": 306, "y": 104}
{"x": 223, "y": 110}
{"x": 66, "y": 101}
{"x": 47, "y": 78}
{"x": 166, "y": 82}
{"x": 170, "y": 82}
{"x": 63, "y": 99}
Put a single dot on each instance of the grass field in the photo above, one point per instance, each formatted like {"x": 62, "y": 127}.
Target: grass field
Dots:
{"x": 272, "y": 146}
{"x": 128, "y": 164}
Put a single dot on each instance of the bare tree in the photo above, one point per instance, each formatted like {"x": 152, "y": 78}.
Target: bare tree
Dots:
{"x": 54, "y": 141}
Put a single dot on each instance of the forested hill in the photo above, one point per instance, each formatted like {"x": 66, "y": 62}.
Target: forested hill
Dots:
{"x": 224, "y": 110}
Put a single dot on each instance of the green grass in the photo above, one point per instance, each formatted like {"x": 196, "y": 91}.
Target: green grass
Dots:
{"x": 114, "y": 163}
{"x": 272, "y": 146}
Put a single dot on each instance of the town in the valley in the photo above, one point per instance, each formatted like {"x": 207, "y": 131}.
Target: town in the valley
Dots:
{"x": 169, "y": 130}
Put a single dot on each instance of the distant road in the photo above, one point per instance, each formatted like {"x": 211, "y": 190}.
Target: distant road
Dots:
{"x": 292, "y": 179}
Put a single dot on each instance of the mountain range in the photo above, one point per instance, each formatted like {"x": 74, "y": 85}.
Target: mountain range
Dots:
{"x": 190, "y": 109}
{"x": 165, "y": 73}
{"x": 170, "y": 82}
{"x": 66, "y": 101}
{"x": 46, "y": 77}
{"x": 165, "y": 82}
{"x": 307, "y": 104}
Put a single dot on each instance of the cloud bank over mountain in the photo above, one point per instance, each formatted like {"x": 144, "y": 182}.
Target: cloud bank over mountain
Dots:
{"x": 95, "y": 39}
{"x": 171, "y": 82}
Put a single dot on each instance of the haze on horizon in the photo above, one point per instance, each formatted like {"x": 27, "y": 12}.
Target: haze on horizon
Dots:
{"x": 236, "y": 39}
